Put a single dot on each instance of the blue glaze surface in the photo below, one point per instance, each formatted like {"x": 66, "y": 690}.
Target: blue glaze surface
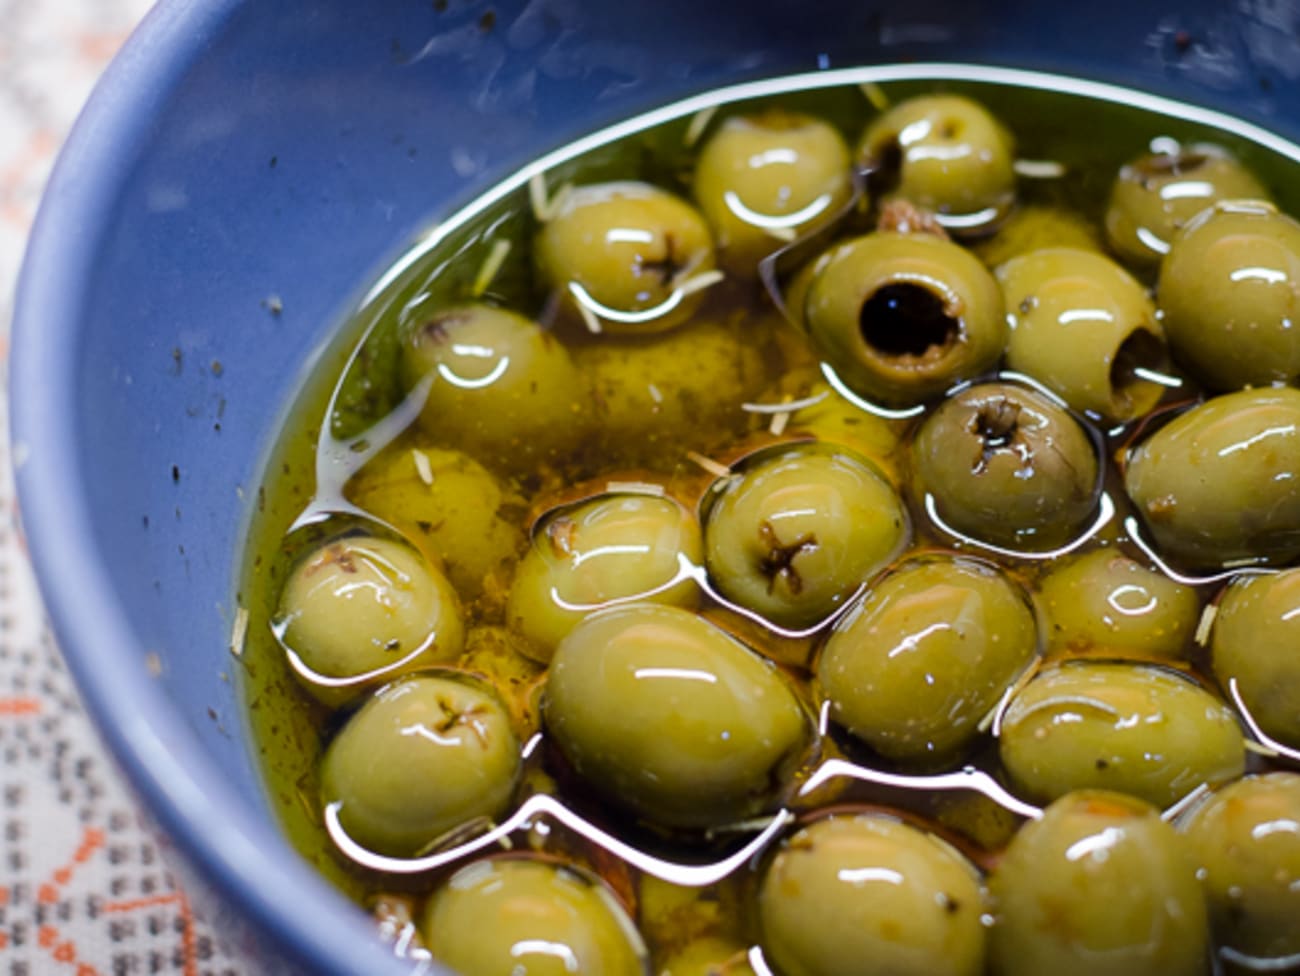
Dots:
{"x": 240, "y": 158}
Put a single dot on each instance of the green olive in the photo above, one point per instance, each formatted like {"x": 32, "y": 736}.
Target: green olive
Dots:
{"x": 615, "y": 548}
{"x": 1218, "y": 485}
{"x": 708, "y": 956}
{"x": 1104, "y": 602}
{"x": 949, "y": 155}
{"x": 1246, "y": 839}
{"x": 501, "y": 387}
{"x": 427, "y": 754}
{"x": 524, "y": 917}
{"x": 1006, "y": 465}
{"x": 1137, "y": 729}
{"x": 925, "y": 655}
{"x": 764, "y": 180}
{"x": 1156, "y": 194}
{"x": 453, "y": 506}
{"x": 1082, "y": 326}
{"x": 867, "y": 894}
{"x": 1254, "y": 645}
{"x": 668, "y": 716}
{"x": 1230, "y": 295}
{"x": 359, "y": 611}
{"x": 903, "y": 317}
{"x": 832, "y": 419}
{"x": 793, "y": 534}
{"x": 1036, "y": 226}
{"x": 622, "y": 251}
{"x": 1100, "y": 884}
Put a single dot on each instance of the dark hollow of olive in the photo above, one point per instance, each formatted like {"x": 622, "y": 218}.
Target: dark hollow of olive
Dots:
{"x": 907, "y": 320}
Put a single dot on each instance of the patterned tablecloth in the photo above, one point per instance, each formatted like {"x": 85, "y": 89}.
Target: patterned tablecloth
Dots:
{"x": 84, "y": 888}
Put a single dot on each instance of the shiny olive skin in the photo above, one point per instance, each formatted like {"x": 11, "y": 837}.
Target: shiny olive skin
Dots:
{"x": 500, "y": 387}
{"x": 359, "y": 611}
{"x": 452, "y": 506}
{"x": 1034, "y": 226}
{"x": 1255, "y": 644}
{"x": 763, "y": 180}
{"x": 1083, "y": 327}
{"x": 924, "y": 655}
{"x": 622, "y": 250}
{"x": 1217, "y": 485}
{"x": 1230, "y": 294}
{"x": 1246, "y": 840}
{"x": 425, "y": 755}
{"x": 1156, "y": 194}
{"x": 1006, "y": 465}
{"x": 668, "y": 716}
{"x": 1105, "y": 603}
{"x": 1100, "y": 884}
{"x": 832, "y": 419}
{"x": 903, "y": 317}
{"x": 1133, "y": 728}
{"x": 611, "y": 549}
{"x": 530, "y": 917}
{"x": 868, "y": 895}
{"x": 949, "y": 155}
{"x": 797, "y": 531}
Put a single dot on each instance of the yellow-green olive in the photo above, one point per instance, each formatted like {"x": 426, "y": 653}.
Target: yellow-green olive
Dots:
{"x": 615, "y": 548}
{"x": 1218, "y": 485}
{"x": 359, "y": 611}
{"x": 451, "y": 505}
{"x": 867, "y": 895}
{"x": 1230, "y": 295}
{"x": 1034, "y": 226}
{"x": 924, "y": 655}
{"x": 763, "y": 180}
{"x": 1100, "y": 884}
{"x": 1106, "y": 603}
{"x": 792, "y": 535}
{"x": 1155, "y": 195}
{"x": 903, "y": 317}
{"x": 664, "y": 714}
{"x": 1133, "y": 728}
{"x": 1255, "y": 644}
{"x": 832, "y": 419}
{"x": 1246, "y": 840}
{"x": 948, "y": 154}
{"x": 501, "y": 387}
{"x": 524, "y": 917}
{"x": 427, "y": 754}
{"x": 622, "y": 251}
{"x": 1007, "y": 465}
{"x": 1082, "y": 326}
{"x": 708, "y": 956}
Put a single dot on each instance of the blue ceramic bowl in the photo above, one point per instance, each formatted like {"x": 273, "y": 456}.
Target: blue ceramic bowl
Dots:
{"x": 239, "y": 156}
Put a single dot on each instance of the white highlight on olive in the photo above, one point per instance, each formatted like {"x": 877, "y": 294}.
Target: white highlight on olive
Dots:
{"x": 838, "y": 385}
{"x": 1271, "y": 276}
{"x": 1114, "y": 598}
{"x": 1097, "y": 847}
{"x": 1284, "y": 430}
{"x": 861, "y": 876}
{"x": 676, "y": 674}
{"x": 1105, "y": 512}
{"x": 1259, "y": 734}
{"x": 1187, "y": 189}
{"x": 465, "y": 383}
{"x": 541, "y": 947}
{"x": 776, "y": 222}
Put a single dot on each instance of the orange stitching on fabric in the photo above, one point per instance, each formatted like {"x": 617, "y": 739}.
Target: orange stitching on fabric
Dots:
{"x": 20, "y": 706}
{"x": 189, "y": 944}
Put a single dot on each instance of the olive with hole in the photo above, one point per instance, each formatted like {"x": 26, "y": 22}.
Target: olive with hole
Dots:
{"x": 765, "y": 179}
{"x": 668, "y": 716}
{"x": 1100, "y": 884}
{"x": 945, "y": 153}
{"x": 499, "y": 386}
{"x": 1139, "y": 729}
{"x": 426, "y": 755}
{"x": 1255, "y": 646}
{"x": 1217, "y": 485}
{"x": 1246, "y": 841}
{"x": 793, "y": 533}
{"x": 1083, "y": 327}
{"x": 867, "y": 895}
{"x": 1155, "y": 195}
{"x": 530, "y": 917}
{"x": 1229, "y": 292}
{"x": 903, "y": 317}
{"x": 925, "y": 655}
{"x": 1105, "y": 603}
{"x": 620, "y": 253}
{"x": 1006, "y": 465}
{"x": 358, "y": 611}
{"x": 615, "y": 548}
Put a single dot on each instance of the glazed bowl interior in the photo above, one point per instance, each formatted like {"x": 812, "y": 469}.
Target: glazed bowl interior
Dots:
{"x": 242, "y": 173}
